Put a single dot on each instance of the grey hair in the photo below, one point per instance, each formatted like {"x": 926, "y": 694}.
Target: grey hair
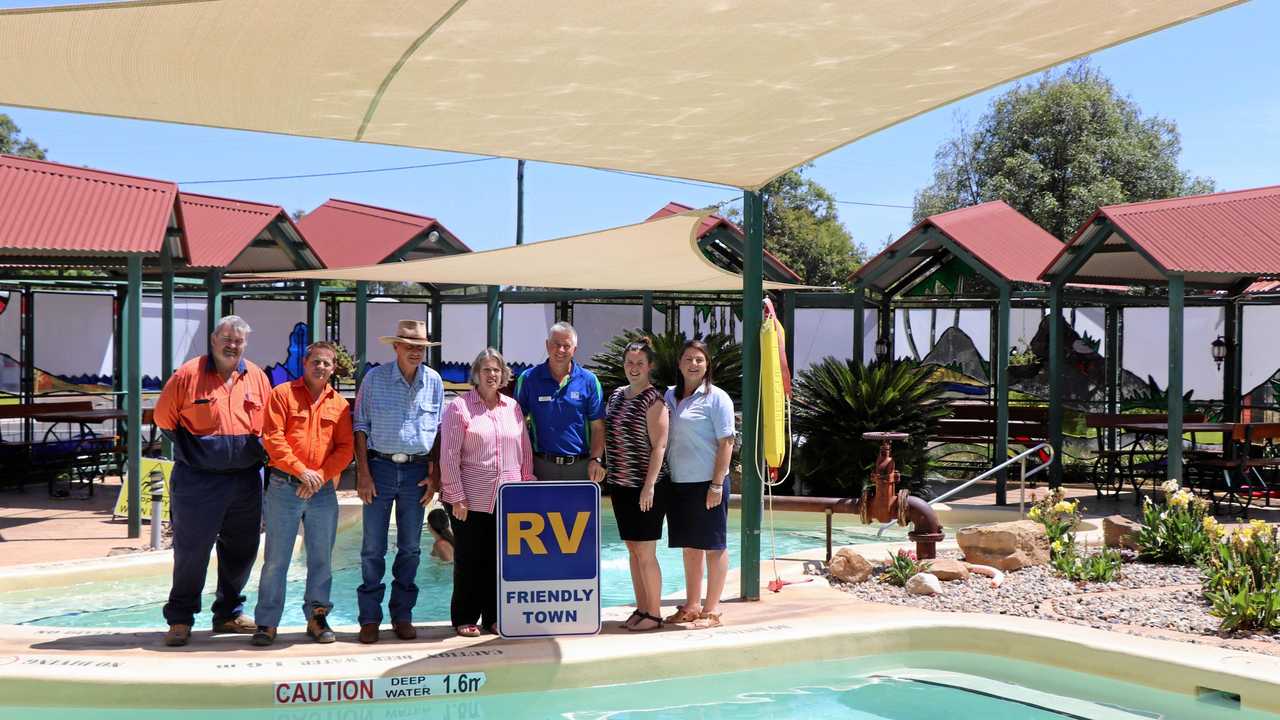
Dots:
{"x": 488, "y": 354}
{"x": 235, "y": 322}
{"x": 563, "y": 327}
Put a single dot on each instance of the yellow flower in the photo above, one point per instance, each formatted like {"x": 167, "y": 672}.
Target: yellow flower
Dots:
{"x": 1035, "y": 513}
{"x": 1057, "y": 546}
{"x": 1211, "y": 526}
{"x": 1063, "y": 507}
{"x": 1169, "y": 486}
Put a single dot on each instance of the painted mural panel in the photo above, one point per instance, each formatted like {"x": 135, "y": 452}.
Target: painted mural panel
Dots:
{"x": 382, "y": 315}
{"x": 524, "y": 332}
{"x": 1260, "y": 348}
{"x": 597, "y": 324}
{"x": 278, "y": 336}
{"x": 1146, "y": 355}
{"x": 73, "y": 336}
{"x": 465, "y": 331}
{"x": 10, "y": 342}
{"x": 190, "y": 337}
{"x": 821, "y": 333}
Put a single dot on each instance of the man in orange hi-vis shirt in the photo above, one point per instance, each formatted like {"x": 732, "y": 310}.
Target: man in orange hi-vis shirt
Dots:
{"x": 212, "y": 409}
{"x": 309, "y": 442}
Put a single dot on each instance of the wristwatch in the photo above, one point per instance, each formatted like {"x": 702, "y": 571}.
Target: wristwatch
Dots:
{"x": 599, "y": 461}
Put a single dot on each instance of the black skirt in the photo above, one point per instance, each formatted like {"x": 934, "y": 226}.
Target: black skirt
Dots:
{"x": 633, "y": 524}
{"x": 690, "y": 524}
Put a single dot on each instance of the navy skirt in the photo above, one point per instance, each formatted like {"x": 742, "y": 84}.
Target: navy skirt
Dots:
{"x": 690, "y": 524}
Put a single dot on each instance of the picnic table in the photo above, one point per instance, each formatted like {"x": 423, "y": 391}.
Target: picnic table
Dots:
{"x": 80, "y": 453}
{"x": 1230, "y": 474}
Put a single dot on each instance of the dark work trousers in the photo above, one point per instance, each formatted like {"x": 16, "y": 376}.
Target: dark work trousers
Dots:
{"x": 208, "y": 511}
{"x": 475, "y": 569}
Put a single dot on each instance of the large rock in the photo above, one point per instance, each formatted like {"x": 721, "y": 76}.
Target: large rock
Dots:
{"x": 1007, "y": 545}
{"x": 848, "y": 566}
{"x": 923, "y": 584}
{"x": 1119, "y": 531}
{"x": 947, "y": 570}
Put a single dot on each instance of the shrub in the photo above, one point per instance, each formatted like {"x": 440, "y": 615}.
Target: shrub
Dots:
{"x": 902, "y": 566}
{"x": 1057, "y": 514}
{"x": 1059, "y": 517}
{"x": 726, "y": 356}
{"x": 1242, "y": 576}
{"x": 836, "y": 401}
{"x": 1174, "y": 532}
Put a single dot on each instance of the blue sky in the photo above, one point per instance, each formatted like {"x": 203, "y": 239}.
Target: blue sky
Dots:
{"x": 1214, "y": 77}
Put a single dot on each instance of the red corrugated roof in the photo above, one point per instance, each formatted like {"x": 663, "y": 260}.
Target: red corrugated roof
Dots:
{"x": 218, "y": 229}
{"x": 347, "y": 234}
{"x": 1000, "y": 237}
{"x": 1224, "y": 233}
{"x": 61, "y": 209}
{"x": 713, "y": 221}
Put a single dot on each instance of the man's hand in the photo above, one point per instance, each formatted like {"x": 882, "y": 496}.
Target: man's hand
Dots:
{"x": 364, "y": 484}
{"x": 311, "y": 483}
{"x": 460, "y": 511}
{"x": 595, "y": 471}
{"x": 432, "y": 483}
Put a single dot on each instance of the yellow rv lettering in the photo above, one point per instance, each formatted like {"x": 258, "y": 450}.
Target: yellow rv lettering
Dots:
{"x": 525, "y": 527}
{"x": 569, "y": 543}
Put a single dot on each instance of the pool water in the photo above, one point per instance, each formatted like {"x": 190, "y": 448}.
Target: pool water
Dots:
{"x": 137, "y": 602}
{"x": 904, "y": 687}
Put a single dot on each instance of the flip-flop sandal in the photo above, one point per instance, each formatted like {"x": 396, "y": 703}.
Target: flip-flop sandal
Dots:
{"x": 630, "y": 618}
{"x": 643, "y": 617}
{"x": 681, "y": 615}
{"x": 707, "y": 620}
{"x": 467, "y": 630}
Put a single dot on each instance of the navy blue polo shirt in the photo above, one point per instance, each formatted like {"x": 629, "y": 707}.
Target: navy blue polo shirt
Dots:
{"x": 560, "y": 413}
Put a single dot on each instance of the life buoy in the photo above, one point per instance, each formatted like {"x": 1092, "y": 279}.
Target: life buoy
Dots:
{"x": 774, "y": 388}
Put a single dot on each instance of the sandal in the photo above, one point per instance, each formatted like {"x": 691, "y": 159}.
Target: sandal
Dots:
{"x": 682, "y": 615}
{"x": 467, "y": 630}
{"x": 646, "y": 616}
{"x": 631, "y": 619}
{"x": 707, "y": 620}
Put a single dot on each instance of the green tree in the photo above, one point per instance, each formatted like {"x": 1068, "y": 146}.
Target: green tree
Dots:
{"x": 1058, "y": 148}
{"x": 12, "y": 142}
{"x": 802, "y": 229}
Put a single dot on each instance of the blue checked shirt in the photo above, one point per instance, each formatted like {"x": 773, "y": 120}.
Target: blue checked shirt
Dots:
{"x": 399, "y": 416}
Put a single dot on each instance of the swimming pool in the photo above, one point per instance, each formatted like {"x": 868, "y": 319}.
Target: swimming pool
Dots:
{"x": 137, "y": 602}
{"x": 909, "y": 686}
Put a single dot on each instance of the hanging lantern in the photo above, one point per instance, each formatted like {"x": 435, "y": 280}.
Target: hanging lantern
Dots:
{"x": 1219, "y": 350}
{"x": 882, "y": 347}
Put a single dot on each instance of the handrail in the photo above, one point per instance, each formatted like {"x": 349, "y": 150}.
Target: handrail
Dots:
{"x": 1020, "y": 458}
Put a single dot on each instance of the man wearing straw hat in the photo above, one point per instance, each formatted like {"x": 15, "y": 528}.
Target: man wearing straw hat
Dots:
{"x": 396, "y": 416}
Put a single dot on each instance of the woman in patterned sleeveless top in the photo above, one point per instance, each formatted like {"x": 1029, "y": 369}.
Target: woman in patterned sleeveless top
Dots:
{"x": 635, "y": 442}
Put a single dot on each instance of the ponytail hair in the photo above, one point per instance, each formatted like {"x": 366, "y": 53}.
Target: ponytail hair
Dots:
{"x": 642, "y": 344}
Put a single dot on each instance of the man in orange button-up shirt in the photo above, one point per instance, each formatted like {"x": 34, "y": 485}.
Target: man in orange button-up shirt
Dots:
{"x": 307, "y": 435}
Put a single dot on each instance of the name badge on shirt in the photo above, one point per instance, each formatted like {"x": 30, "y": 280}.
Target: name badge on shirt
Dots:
{"x": 544, "y": 398}
{"x": 574, "y": 395}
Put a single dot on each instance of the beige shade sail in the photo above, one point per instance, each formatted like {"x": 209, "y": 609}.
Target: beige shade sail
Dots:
{"x": 726, "y": 91}
{"x": 655, "y": 255}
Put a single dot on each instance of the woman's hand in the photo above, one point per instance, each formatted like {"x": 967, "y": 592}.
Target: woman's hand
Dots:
{"x": 715, "y": 494}
{"x": 646, "y": 497}
{"x": 460, "y": 511}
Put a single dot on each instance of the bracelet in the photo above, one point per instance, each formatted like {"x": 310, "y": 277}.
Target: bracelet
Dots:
{"x": 716, "y": 487}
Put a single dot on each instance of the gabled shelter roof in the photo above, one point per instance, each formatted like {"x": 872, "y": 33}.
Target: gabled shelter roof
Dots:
{"x": 241, "y": 235}
{"x": 1001, "y": 239}
{"x": 735, "y": 93}
{"x": 723, "y": 239}
{"x": 1218, "y": 240}
{"x": 50, "y": 209}
{"x": 349, "y": 234}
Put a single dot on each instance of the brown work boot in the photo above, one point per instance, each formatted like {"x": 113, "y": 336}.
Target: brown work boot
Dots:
{"x": 264, "y": 636}
{"x": 405, "y": 630}
{"x": 318, "y": 628}
{"x": 369, "y": 633}
{"x": 178, "y": 635}
{"x": 240, "y": 625}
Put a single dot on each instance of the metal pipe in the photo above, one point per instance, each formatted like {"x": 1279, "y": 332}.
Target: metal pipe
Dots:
{"x": 155, "y": 479}
{"x": 828, "y": 534}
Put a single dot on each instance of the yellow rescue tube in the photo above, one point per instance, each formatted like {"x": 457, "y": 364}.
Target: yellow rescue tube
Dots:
{"x": 772, "y": 399}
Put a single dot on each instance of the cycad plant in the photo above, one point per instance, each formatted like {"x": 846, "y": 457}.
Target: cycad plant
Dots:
{"x": 836, "y": 401}
{"x": 726, "y": 361}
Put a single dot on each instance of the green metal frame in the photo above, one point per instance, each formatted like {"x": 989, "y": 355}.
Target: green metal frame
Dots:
{"x": 752, "y": 311}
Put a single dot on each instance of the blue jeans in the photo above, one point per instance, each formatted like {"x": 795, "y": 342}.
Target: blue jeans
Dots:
{"x": 283, "y": 510}
{"x": 208, "y": 511}
{"x": 396, "y": 485}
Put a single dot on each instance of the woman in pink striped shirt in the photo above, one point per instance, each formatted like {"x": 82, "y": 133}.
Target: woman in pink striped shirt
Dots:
{"x": 483, "y": 444}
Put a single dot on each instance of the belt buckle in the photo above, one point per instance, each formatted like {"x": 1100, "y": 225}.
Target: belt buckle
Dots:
{"x": 565, "y": 460}
{"x": 399, "y": 458}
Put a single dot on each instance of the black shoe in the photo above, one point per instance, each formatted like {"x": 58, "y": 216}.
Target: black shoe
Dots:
{"x": 318, "y": 628}
{"x": 264, "y": 636}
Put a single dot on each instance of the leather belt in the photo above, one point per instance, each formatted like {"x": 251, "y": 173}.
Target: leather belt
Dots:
{"x": 561, "y": 459}
{"x": 400, "y": 458}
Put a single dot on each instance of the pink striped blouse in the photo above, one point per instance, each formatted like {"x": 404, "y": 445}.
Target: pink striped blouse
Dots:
{"x": 482, "y": 448}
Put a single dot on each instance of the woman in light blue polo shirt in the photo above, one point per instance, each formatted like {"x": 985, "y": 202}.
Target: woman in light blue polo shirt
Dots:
{"x": 699, "y": 448}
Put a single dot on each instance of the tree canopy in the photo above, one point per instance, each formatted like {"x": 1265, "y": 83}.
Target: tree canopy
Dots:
{"x": 802, "y": 229}
{"x": 1056, "y": 149}
{"x": 12, "y": 142}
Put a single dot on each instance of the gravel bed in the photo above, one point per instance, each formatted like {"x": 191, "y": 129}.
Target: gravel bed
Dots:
{"x": 1024, "y": 594}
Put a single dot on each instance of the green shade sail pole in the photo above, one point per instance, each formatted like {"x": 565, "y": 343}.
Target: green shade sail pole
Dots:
{"x": 494, "y": 312}
{"x": 1000, "y": 366}
{"x": 789, "y": 326}
{"x": 27, "y": 385}
{"x": 166, "y": 332}
{"x": 213, "y": 302}
{"x": 647, "y": 321}
{"x": 859, "y": 324}
{"x": 1055, "y": 380}
{"x": 1177, "y": 292}
{"x": 315, "y": 312}
{"x": 752, "y": 297}
{"x": 1111, "y": 339}
{"x": 437, "y": 327}
{"x": 362, "y": 328}
{"x": 1231, "y": 364}
{"x": 132, "y": 351}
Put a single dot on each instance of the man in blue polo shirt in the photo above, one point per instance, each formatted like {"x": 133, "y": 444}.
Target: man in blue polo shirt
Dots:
{"x": 564, "y": 405}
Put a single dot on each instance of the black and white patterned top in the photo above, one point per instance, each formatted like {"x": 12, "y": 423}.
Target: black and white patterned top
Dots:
{"x": 627, "y": 436}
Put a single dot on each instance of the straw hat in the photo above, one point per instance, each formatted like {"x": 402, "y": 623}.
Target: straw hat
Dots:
{"x": 410, "y": 332}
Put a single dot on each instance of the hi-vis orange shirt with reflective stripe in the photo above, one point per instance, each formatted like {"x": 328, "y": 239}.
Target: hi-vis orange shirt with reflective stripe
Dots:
{"x": 303, "y": 435}
{"x": 214, "y": 427}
